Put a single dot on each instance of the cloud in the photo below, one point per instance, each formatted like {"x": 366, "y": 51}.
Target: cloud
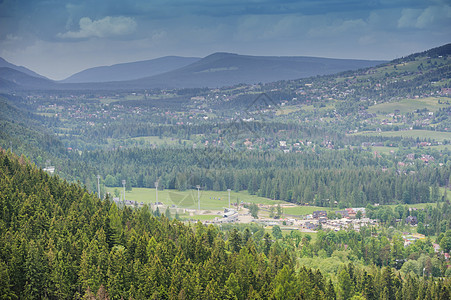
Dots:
{"x": 339, "y": 27}
{"x": 106, "y": 27}
{"x": 432, "y": 16}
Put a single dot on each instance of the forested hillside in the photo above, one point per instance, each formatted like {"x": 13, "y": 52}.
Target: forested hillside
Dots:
{"x": 351, "y": 177}
{"x": 378, "y": 135}
{"x": 60, "y": 242}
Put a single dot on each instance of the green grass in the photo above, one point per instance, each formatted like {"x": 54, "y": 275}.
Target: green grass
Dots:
{"x": 146, "y": 140}
{"x": 387, "y": 150}
{"x": 417, "y": 205}
{"x": 422, "y": 134}
{"x": 285, "y": 110}
{"x": 329, "y": 105}
{"x": 188, "y": 198}
{"x": 439, "y": 148}
{"x": 156, "y": 140}
{"x": 408, "y": 105}
{"x": 199, "y": 217}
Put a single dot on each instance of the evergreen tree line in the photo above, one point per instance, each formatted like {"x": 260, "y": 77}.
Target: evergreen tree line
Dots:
{"x": 432, "y": 220}
{"x": 57, "y": 241}
{"x": 351, "y": 177}
{"x": 231, "y": 131}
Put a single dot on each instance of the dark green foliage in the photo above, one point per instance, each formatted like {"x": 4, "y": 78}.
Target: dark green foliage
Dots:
{"x": 319, "y": 178}
{"x": 59, "y": 242}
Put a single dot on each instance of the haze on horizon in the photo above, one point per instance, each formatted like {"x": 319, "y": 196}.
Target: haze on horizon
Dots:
{"x": 60, "y": 38}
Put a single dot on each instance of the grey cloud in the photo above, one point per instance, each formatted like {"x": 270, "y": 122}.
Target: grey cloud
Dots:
{"x": 105, "y": 27}
{"x": 430, "y": 17}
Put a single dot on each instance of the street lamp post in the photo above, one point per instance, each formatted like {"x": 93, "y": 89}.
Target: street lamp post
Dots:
{"x": 123, "y": 184}
{"x": 156, "y": 192}
{"x": 98, "y": 186}
{"x": 198, "y": 196}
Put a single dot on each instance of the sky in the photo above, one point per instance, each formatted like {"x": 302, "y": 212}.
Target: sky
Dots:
{"x": 57, "y": 38}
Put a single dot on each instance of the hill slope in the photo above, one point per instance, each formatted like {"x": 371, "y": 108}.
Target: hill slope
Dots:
{"x": 6, "y": 64}
{"x": 12, "y": 79}
{"x": 131, "y": 71}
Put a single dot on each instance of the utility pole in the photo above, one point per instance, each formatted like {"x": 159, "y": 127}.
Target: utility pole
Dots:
{"x": 228, "y": 190}
{"x": 123, "y": 183}
{"x": 156, "y": 192}
{"x": 98, "y": 186}
{"x": 198, "y": 196}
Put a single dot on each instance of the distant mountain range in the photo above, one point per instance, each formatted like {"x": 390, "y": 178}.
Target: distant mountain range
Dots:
{"x": 131, "y": 71}
{"x": 222, "y": 69}
{"x": 215, "y": 70}
{"x": 12, "y": 79}
{"x": 5, "y": 64}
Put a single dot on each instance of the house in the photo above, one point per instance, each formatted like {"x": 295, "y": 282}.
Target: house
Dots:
{"x": 436, "y": 247}
{"x": 319, "y": 213}
{"x": 351, "y": 212}
{"x": 49, "y": 170}
{"x": 311, "y": 226}
{"x": 412, "y": 220}
{"x": 343, "y": 213}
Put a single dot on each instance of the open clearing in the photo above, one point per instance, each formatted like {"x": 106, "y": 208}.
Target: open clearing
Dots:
{"x": 188, "y": 199}
{"x": 409, "y": 105}
{"x": 421, "y": 134}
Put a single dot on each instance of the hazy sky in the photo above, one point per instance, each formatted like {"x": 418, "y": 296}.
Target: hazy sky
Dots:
{"x": 57, "y": 38}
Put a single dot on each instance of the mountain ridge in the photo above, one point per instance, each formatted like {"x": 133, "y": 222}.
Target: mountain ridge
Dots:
{"x": 222, "y": 69}
{"x": 130, "y": 70}
{"x": 5, "y": 64}
{"x": 215, "y": 70}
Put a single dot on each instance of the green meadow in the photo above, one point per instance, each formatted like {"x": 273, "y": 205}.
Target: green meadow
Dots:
{"x": 408, "y": 105}
{"x": 216, "y": 200}
{"x": 421, "y": 134}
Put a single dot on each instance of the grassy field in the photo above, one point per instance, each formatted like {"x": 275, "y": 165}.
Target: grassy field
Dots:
{"x": 422, "y": 134}
{"x": 309, "y": 108}
{"x": 285, "y": 110}
{"x": 408, "y": 105}
{"x": 188, "y": 199}
{"x": 157, "y": 141}
{"x": 418, "y": 205}
{"x": 146, "y": 140}
{"x": 387, "y": 150}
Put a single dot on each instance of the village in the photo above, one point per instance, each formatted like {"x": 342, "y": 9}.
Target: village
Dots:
{"x": 343, "y": 219}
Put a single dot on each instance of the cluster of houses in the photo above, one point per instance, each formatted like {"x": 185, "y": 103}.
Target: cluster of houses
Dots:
{"x": 118, "y": 201}
{"x": 229, "y": 216}
{"x": 319, "y": 219}
{"x": 412, "y": 238}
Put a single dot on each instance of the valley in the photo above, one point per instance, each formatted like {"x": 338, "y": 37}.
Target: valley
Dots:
{"x": 333, "y": 178}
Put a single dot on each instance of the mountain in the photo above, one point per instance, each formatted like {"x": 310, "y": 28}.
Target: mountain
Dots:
{"x": 222, "y": 69}
{"x": 12, "y": 79}
{"x": 6, "y": 64}
{"x": 130, "y": 71}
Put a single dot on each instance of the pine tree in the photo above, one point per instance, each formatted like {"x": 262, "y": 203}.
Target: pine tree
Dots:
{"x": 330, "y": 291}
{"x": 345, "y": 285}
